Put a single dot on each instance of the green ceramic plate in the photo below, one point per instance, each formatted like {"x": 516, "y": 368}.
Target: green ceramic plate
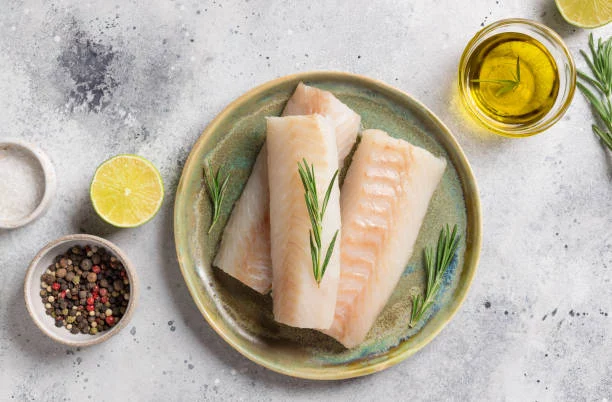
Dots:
{"x": 243, "y": 317}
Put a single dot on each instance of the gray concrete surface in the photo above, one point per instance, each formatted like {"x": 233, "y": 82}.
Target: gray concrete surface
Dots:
{"x": 537, "y": 323}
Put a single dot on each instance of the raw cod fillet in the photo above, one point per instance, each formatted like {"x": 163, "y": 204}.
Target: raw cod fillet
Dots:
{"x": 310, "y": 100}
{"x": 244, "y": 252}
{"x": 298, "y": 300}
{"x": 384, "y": 199}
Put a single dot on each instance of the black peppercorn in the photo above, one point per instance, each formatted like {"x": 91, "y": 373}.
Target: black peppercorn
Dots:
{"x": 78, "y": 293}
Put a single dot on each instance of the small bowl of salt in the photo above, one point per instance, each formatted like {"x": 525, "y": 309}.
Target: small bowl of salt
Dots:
{"x": 27, "y": 183}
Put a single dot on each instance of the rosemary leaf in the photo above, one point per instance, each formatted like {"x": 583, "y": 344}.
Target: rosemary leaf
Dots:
{"x": 590, "y": 80}
{"x": 505, "y": 85}
{"x": 328, "y": 194}
{"x": 600, "y": 99}
{"x": 435, "y": 267}
{"x": 316, "y": 213}
{"x": 216, "y": 191}
{"x": 605, "y": 137}
{"x": 329, "y": 253}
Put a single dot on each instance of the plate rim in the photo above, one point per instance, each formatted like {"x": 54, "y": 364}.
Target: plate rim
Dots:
{"x": 468, "y": 182}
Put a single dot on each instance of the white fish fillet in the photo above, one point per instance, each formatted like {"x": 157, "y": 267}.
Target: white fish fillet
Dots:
{"x": 244, "y": 252}
{"x": 298, "y": 300}
{"x": 384, "y": 199}
{"x": 310, "y": 100}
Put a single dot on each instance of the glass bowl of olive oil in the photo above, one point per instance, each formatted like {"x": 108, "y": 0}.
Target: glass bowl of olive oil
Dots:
{"x": 517, "y": 77}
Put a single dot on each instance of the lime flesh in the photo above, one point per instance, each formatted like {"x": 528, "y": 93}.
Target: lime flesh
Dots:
{"x": 126, "y": 191}
{"x": 586, "y": 13}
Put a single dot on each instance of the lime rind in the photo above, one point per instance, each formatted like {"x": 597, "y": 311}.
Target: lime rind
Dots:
{"x": 600, "y": 12}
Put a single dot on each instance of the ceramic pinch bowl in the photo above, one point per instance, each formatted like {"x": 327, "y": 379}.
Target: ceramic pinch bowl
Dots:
{"x": 36, "y": 308}
{"x": 42, "y": 164}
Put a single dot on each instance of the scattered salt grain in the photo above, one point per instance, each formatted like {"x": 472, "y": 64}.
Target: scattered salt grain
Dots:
{"x": 21, "y": 183}
{"x": 217, "y": 381}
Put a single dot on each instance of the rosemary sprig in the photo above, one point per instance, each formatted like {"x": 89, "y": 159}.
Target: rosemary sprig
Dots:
{"x": 316, "y": 218}
{"x": 216, "y": 191}
{"x": 601, "y": 67}
{"x": 506, "y": 85}
{"x": 435, "y": 268}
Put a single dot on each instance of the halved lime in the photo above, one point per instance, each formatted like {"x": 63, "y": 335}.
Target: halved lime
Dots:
{"x": 126, "y": 191}
{"x": 586, "y": 13}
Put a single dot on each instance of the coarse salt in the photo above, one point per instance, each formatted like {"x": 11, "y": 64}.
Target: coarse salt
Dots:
{"x": 22, "y": 183}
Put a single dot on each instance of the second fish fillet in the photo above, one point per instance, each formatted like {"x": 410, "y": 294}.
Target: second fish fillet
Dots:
{"x": 298, "y": 300}
{"x": 308, "y": 100}
{"x": 244, "y": 252}
{"x": 384, "y": 199}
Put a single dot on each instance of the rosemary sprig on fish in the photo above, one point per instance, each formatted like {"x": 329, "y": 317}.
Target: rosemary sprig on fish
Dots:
{"x": 216, "y": 191}
{"x": 601, "y": 67}
{"x": 316, "y": 214}
{"x": 435, "y": 267}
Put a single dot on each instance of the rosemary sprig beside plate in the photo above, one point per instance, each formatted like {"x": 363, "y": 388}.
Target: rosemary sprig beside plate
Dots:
{"x": 435, "y": 267}
{"x": 316, "y": 214}
{"x": 601, "y": 67}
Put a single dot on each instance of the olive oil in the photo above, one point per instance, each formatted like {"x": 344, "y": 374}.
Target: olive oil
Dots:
{"x": 513, "y": 78}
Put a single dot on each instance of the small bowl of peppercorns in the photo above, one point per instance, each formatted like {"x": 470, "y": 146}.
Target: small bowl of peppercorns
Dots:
{"x": 80, "y": 290}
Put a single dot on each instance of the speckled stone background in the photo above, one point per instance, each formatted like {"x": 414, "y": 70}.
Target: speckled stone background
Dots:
{"x": 88, "y": 80}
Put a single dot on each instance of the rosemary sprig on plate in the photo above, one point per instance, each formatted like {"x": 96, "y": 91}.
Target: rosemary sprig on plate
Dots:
{"x": 506, "y": 85}
{"x": 601, "y": 67}
{"x": 435, "y": 267}
{"x": 316, "y": 218}
{"x": 216, "y": 191}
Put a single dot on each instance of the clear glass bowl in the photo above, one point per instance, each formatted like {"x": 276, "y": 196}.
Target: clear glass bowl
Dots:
{"x": 565, "y": 67}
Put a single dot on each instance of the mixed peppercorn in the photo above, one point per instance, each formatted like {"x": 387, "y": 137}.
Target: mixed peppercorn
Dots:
{"x": 86, "y": 290}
